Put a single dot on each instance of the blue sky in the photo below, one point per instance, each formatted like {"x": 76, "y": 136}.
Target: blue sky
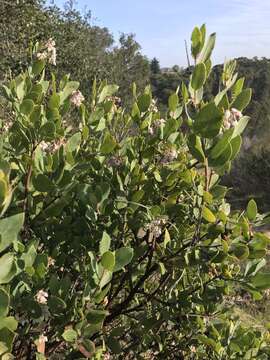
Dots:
{"x": 161, "y": 26}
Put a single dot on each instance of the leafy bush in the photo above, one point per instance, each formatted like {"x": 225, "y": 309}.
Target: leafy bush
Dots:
{"x": 116, "y": 238}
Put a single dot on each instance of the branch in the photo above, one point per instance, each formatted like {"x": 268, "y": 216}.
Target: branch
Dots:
{"x": 118, "y": 309}
{"x": 27, "y": 185}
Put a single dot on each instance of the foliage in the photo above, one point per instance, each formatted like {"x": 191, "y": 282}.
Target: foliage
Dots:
{"x": 86, "y": 51}
{"x": 249, "y": 176}
{"x": 116, "y": 237}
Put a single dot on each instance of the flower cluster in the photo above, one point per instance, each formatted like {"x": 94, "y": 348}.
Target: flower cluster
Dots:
{"x": 231, "y": 118}
{"x": 155, "y": 227}
{"x": 77, "y": 98}
{"x": 115, "y": 161}
{"x": 49, "y": 53}
{"x": 52, "y": 147}
{"x": 153, "y": 129}
{"x": 6, "y": 126}
{"x": 51, "y": 261}
{"x": 153, "y": 106}
{"x": 42, "y": 297}
{"x": 116, "y": 100}
{"x": 169, "y": 155}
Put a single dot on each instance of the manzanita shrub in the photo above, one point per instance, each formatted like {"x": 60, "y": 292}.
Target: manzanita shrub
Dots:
{"x": 116, "y": 237}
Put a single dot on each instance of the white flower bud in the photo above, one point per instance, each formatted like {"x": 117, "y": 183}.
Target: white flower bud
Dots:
{"x": 42, "y": 297}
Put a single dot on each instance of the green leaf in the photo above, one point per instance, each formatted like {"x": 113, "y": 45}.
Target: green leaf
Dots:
{"x": 208, "y": 66}
{"x": 173, "y": 102}
{"x": 108, "y": 144}
{"x": 144, "y": 102}
{"x": 208, "y": 121}
{"x": 68, "y": 90}
{"x": 70, "y": 335}
{"x": 198, "y": 76}
{"x": 123, "y": 257}
{"x": 240, "y": 126}
{"x": 108, "y": 90}
{"x": 203, "y": 34}
{"x": 8, "y": 268}
{"x": 137, "y": 196}
{"x": 96, "y": 316}
{"x": 47, "y": 131}
{"x": 87, "y": 348}
{"x": 8, "y": 322}
{"x": 9, "y": 229}
{"x": 259, "y": 242}
{"x": 56, "y": 305}
{"x": 105, "y": 279}
{"x": 221, "y": 145}
{"x": 237, "y": 87}
{"x": 105, "y": 243}
{"x": 207, "y": 341}
{"x": 254, "y": 266}
{"x": 236, "y": 143}
{"x": 32, "y": 308}
{"x": 4, "y": 302}
{"x": 261, "y": 281}
{"x": 29, "y": 256}
{"x": 251, "y": 210}
{"x": 74, "y": 142}
{"x": 242, "y": 100}
{"x": 54, "y": 101}
{"x": 208, "y": 215}
{"x": 195, "y": 147}
{"x": 27, "y": 106}
{"x": 7, "y": 337}
{"x": 219, "y": 191}
{"x": 108, "y": 260}
{"x": 38, "y": 66}
{"x": 157, "y": 176}
{"x": 224, "y": 157}
{"x": 42, "y": 183}
{"x": 167, "y": 238}
{"x": 196, "y": 42}
{"x": 241, "y": 251}
{"x": 207, "y": 49}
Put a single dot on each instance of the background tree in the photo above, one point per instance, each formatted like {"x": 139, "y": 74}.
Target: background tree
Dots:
{"x": 128, "y": 65}
{"x": 86, "y": 51}
{"x": 154, "y": 66}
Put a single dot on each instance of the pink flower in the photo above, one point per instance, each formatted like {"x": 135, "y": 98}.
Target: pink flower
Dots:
{"x": 50, "y": 45}
{"x": 77, "y": 98}
{"x": 42, "y": 56}
{"x": 52, "y": 57}
{"x": 231, "y": 118}
{"x": 152, "y": 130}
{"x": 49, "y": 53}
